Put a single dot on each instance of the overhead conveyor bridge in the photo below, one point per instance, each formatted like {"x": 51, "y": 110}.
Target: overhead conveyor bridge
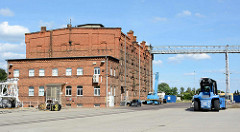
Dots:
{"x": 200, "y": 49}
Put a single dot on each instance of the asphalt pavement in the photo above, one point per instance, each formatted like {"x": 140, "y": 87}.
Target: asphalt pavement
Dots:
{"x": 177, "y": 117}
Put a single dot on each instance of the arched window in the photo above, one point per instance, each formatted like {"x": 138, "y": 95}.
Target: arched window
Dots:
{"x": 68, "y": 90}
{"x": 96, "y": 90}
{"x": 79, "y": 91}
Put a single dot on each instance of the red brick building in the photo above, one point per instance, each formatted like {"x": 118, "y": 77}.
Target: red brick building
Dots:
{"x": 82, "y": 66}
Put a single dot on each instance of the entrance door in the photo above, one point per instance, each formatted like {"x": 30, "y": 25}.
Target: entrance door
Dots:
{"x": 53, "y": 93}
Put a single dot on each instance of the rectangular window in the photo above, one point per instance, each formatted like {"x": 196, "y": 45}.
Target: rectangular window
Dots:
{"x": 54, "y": 72}
{"x": 97, "y": 71}
{"x": 79, "y": 90}
{"x": 114, "y": 73}
{"x": 68, "y": 71}
{"x": 31, "y": 73}
{"x": 31, "y": 91}
{"x": 16, "y": 73}
{"x": 96, "y": 90}
{"x": 79, "y": 71}
{"x": 114, "y": 91}
{"x": 41, "y": 91}
{"x": 68, "y": 91}
{"x": 111, "y": 92}
{"x": 41, "y": 72}
{"x": 111, "y": 71}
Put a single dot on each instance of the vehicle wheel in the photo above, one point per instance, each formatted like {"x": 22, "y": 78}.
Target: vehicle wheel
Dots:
{"x": 216, "y": 105}
{"x": 196, "y": 106}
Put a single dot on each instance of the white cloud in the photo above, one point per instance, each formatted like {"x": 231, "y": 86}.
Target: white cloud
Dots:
{"x": 157, "y": 62}
{"x": 184, "y": 13}
{"x": 181, "y": 57}
{"x": 6, "y": 12}
{"x": 11, "y": 55}
{"x": 7, "y": 47}
{"x": 12, "y": 33}
{"x": 199, "y": 15}
{"x": 190, "y": 74}
{"x": 159, "y": 19}
{"x": 11, "y": 51}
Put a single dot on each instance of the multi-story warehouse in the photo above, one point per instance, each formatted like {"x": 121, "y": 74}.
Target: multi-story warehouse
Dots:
{"x": 87, "y": 65}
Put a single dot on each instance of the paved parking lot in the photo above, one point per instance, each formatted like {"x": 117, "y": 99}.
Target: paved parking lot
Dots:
{"x": 169, "y": 118}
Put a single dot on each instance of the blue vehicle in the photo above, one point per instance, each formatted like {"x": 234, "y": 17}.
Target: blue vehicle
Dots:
{"x": 153, "y": 98}
{"x": 208, "y": 98}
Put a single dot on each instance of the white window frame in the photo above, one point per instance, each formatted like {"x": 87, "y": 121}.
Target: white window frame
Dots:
{"x": 54, "y": 72}
{"x": 80, "y": 89}
{"x": 68, "y": 71}
{"x": 41, "y": 72}
{"x": 111, "y": 71}
{"x": 79, "y": 71}
{"x": 31, "y": 91}
{"x": 68, "y": 89}
{"x": 114, "y": 91}
{"x": 31, "y": 72}
{"x": 96, "y": 90}
{"x": 16, "y": 73}
{"x": 111, "y": 90}
{"x": 96, "y": 70}
{"x": 41, "y": 91}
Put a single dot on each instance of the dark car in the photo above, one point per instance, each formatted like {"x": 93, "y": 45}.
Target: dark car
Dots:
{"x": 136, "y": 102}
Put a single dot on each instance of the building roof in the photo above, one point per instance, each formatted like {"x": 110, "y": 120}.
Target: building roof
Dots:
{"x": 55, "y": 58}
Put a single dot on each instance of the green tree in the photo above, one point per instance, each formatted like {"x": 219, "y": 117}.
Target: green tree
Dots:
{"x": 187, "y": 96}
{"x": 174, "y": 91}
{"x": 182, "y": 90}
{"x": 219, "y": 91}
{"x": 189, "y": 90}
{"x": 3, "y": 75}
{"x": 164, "y": 87}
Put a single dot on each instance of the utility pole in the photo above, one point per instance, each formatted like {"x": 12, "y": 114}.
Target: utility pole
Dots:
{"x": 227, "y": 73}
{"x": 106, "y": 81}
{"x": 139, "y": 71}
{"x": 125, "y": 72}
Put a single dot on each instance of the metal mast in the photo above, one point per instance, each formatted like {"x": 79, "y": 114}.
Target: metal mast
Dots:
{"x": 227, "y": 74}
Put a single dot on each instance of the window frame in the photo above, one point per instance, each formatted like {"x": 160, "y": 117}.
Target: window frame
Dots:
{"x": 55, "y": 74}
{"x": 111, "y": 71}
{"x": 41, "y": 87}
{"x": 31, "y": 72}
{"x": 80, "y": 88}
{"x": 79, "y": 70}
{"x": 96, "y": 71}
{"x": 14, "y": 73}
{"x": 32, "y": 91}
{"x": 97, "y": 90}
{"x": 41, "y": 74}
{"x": 67, "y": 89}
{"x": 67, "y": 72}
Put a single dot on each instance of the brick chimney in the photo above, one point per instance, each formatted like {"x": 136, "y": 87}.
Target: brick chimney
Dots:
{"x": 43, "y": 28}
{"x": 69, "y": 25}
{"x": 131, "y": 35}
{"x": 143, "y": 43}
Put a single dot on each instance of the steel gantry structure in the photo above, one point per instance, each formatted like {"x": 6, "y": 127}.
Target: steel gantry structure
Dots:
{"x": 200, "y": 49}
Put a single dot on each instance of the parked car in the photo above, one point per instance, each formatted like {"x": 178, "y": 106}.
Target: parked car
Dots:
{"x": 136, "y": 102}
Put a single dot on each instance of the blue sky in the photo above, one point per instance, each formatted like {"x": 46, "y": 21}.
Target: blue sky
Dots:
{"x": 159, "y": 22}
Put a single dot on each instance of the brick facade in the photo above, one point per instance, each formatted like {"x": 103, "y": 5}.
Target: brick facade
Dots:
{"x": 83, "y": 47}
